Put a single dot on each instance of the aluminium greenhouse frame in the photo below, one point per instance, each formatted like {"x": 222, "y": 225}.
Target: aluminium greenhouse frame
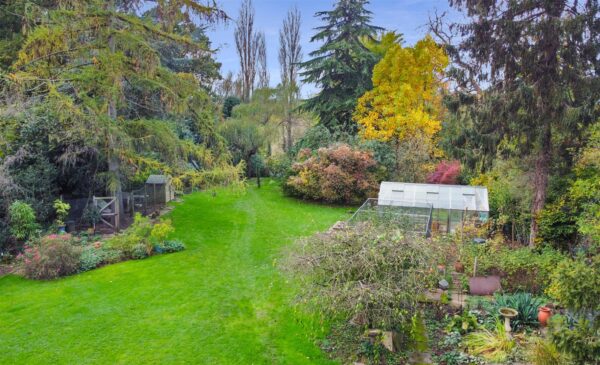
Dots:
{"x": 426, "y": 208}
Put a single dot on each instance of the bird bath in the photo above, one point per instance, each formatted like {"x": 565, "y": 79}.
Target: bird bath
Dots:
{"x": 508, "y": 314}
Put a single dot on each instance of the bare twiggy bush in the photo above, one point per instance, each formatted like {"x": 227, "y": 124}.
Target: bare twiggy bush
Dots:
{"x": 373, "y": 275}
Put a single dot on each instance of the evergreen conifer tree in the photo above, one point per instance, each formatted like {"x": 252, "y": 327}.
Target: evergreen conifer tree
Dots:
{"x": 342, "y": 67}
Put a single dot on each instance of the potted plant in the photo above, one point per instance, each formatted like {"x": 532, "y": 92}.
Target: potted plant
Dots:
{"x": 544, "y": 314}
{"x": 62, "y": 211}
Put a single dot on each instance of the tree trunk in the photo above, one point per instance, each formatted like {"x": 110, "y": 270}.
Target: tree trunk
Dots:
{"x": 113, "y": 167}
{"x": 397, "y": 151}
{"x": 113, "y": 160}
{"x": 540, "y": 184}
{"x": 289, "y": 133}
{"x": 257, "y": 176}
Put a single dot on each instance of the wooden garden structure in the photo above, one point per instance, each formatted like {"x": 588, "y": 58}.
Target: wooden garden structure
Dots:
{"x": 159, "y": 189}
{"x": 109, "y": 211}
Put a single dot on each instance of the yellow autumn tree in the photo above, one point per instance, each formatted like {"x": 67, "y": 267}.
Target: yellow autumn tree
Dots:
{"x": 405, "y": 101}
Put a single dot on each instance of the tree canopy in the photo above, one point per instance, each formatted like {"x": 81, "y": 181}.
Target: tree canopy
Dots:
{"x": 115, "y": 95}
{"x": 537, "y": 62}
{"x": 406, "y": 97}
{"x": 342, "y": 66}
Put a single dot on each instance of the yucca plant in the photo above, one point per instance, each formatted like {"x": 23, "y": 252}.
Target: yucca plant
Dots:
{"x": 493, "y": 346}
{"x": 526, "y": 304}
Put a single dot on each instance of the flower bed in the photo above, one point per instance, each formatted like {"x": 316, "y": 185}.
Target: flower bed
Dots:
{"x": 54, "y": 256}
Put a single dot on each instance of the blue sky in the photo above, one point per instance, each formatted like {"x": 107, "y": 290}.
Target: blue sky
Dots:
{"x": 405, "y": 16}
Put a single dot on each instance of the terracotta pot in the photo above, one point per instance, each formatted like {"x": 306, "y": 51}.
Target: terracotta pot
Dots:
{"x": 544, "y": 313}
{"x": 459, "y": 267}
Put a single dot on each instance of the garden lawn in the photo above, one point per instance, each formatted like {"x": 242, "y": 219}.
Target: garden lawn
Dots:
{"x": 221, "y": 301}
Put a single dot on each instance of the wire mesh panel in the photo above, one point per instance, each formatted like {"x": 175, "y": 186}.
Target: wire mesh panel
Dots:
{"x": 408, "y": 216}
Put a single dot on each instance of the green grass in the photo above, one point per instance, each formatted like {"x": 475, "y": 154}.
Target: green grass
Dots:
{"x": 221, "y": 301}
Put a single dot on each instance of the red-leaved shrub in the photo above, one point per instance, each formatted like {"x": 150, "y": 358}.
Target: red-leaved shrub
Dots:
{"x": 446, "y": 172}
{"x": 337, "y": 174}
{"x": 53, "y": 257}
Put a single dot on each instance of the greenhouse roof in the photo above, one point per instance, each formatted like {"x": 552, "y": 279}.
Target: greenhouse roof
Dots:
{"x": 451, "y": 197}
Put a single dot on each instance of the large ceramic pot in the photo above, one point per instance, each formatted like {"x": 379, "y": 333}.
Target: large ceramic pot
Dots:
{"x": 544, "y": 314}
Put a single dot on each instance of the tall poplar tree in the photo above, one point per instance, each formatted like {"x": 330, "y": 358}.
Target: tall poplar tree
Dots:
{"x": 342, "y": 66}
{"x": 247, "y": 44}
{"x": 290, "y": 55}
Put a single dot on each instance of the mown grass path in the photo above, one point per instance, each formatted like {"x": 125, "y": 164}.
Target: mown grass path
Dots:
{"x": 221, "y": 301}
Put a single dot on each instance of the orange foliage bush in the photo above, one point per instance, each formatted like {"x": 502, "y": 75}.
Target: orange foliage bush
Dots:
{"x": 337, "y": 174}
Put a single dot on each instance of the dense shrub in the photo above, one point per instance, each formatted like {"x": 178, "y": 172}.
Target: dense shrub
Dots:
{"x": 97, "y": 254}
{"x": 91, "y": 215}
{"x": 279, "y": 166}
{"x": 141, "y": 238}
{"x": 576, "y": 284}
{"x": 62, "y": 211}
{"x": 140, "y": 251}
{"x": 55, "y": 256}
{"x": 315, "y": 137}
{"x": 521, "y": 269}
{"x": 228, "y": 105}
{"x": 36, "y": 174}
{"x": 558, "y": 225}
{"x": 337, "y": 174}
{"x": 510, "y": 198}
{"x": 22, "y": 220}
{"x": 161, "y": 230}
{"x": 578, "y": 337}
{"x": 318, "y": 136}
{"x": 574, "y": 217}
{"x": 91, "y": 258}
{"x": 138, "y": 233}
{"x": 374, "y": 275}
{"x": 170, "y": 246}
{"x": 446, "y": 172}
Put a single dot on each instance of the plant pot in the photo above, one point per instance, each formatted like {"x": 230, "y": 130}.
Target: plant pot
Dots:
{"x": 484, "y": 285}
{"x": 544, "y": 314}
{"x": 459, "y": 267}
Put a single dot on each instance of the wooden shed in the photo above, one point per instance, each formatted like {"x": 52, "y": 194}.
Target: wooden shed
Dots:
{"x": 159, "y": 189}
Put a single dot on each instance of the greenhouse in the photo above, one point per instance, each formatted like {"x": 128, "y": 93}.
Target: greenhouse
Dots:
{"x": 426, "y": 208}
{"x": 451, "y": 204}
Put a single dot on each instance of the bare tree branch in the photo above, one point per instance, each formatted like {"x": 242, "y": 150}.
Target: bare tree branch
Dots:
{"x": 464, "y": 72}
{"x": 263, "y": 71}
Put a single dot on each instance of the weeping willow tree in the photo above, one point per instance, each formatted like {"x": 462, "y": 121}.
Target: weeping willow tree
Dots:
{"x": 96, "y": 71}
